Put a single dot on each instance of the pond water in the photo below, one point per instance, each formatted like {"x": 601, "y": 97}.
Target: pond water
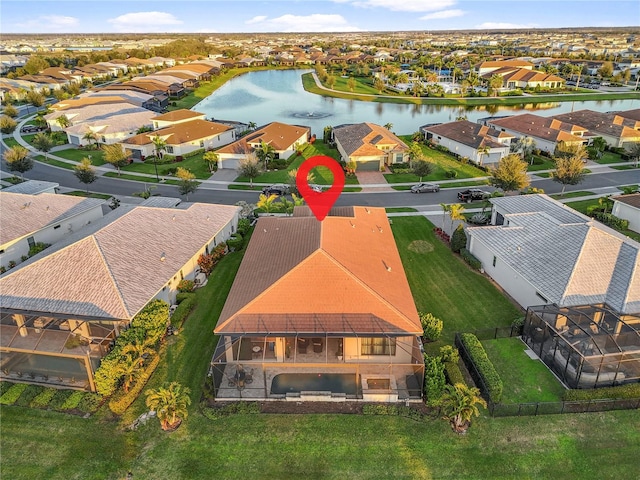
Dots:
{"x": 277, "y": 95}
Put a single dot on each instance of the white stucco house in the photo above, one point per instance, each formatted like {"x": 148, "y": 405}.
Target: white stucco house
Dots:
{"x": 543, "y": 252}
{"x": 627, "y": 207}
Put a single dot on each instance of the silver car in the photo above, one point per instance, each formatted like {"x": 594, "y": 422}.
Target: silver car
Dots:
{"x": 425, "y": 187}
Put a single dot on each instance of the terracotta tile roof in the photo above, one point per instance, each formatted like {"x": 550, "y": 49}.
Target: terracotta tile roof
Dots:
{"x": 180, "y": 133}
{"x": 468, "y": 133}
{"x": 84, "y": 101}
{"x": 366, "y": 139}
{"x": 632, "y": 199}
{"x": 343, "y": 276}
{"x": 122, "y": 269}
{"x": 24, "y": 214}
{"x": 279, "y": 135}
{"x": 192, "y": 67}
{"x": 506, "y": 63}
{"x": 177, "y": 115}
{"x": 541, "y": 127}
{"x": 602, "y": 123}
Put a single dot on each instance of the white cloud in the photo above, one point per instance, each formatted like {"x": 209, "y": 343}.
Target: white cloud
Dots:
{"x": 402, "y": 5}
{"x": 503, "y": 25}
{"x": 258, "y": 19}
{"x": 316, "y": 22}
{"x": 145, "y": 22}
{"x": 51, "y": 23}
{"x": 444, "y": 14}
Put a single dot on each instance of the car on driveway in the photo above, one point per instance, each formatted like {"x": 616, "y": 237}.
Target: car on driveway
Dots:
{"x": 425, "y": 187}
{"x": 472, "y": 194}
{"x": 278, "y": 189}
{"x": 32, "y": 129}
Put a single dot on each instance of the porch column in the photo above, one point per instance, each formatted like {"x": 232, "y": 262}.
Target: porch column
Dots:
{"x": 19, "y": 319}
{"x": 79, "y": 327}
{"x": 228, "y": 350}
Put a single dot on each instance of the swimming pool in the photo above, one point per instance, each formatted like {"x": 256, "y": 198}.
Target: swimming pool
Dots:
{"x": 315, "y": 382}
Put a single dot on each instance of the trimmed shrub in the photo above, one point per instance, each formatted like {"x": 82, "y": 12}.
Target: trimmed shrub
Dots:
{"x": 183, "y": 296}
{"x": 483, "y": 364}
{"x": 59, "y": 398}
{"x": 90, "y": 402}
{"x": 244, "y": 224}
{"x": 37, "y": 248}
{"x": 453, "y": 373}
{"x": 451, "y": 174}
{"x": 43, "y": 398}
{"x": 72, "y": 401}
{"x": 458, "y": 239}
{"x": 119, "y": 403}
{"x": 152, "y": 319}
{"x": 11, "y": 395}
{"x": 434, "y": 380}
{"x": 235, "y": 242}
{"x": 183, "y": 310}
{"x": 630, "y": 390}
{"x": 215, "y": 413}
{"x": 31, "y": 392}
{"x": 186, "y": 286}
{"x": 449, "y": 353}
{"x": 431, "y": 326}
{"x": 472, "y": 261}
{"x": 611, "y": 220}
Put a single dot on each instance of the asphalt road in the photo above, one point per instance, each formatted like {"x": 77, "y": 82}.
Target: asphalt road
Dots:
{"x": 219, "y": 194}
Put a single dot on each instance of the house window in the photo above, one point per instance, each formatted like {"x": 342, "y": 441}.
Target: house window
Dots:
{"x": 378, "y": 346}
{"x": 494, "y": 260}
{"x": 181, "y": 275}
{"x": 169, "y": 149}
{"x": 201, "y": 143}
{"x": 31, "y": 242}
{"x": 56, "y": 227}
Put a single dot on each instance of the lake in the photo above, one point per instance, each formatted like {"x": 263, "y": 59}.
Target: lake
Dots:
{"x": 277, "y": 95}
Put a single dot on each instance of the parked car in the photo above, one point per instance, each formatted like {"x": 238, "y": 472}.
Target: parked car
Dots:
{"x": 32, "y": 129}
{"x": 425, "y": 187}
{"x": 472, "y": 194}
{"x": 278, "y": 189}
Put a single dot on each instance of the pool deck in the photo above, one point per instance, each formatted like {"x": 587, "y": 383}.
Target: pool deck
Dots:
{"x": 263, "y": 374}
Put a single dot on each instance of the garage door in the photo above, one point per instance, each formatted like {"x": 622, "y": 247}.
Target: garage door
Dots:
{"x": 370, "y": 166}
{"x": 229, "y": 163}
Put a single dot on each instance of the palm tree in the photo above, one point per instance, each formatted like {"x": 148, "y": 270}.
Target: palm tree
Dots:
{"x": 63, "y": 121}
{"x": 482, "y": 151}
{"x": 459, "y": 404}
{"x": 90, "y": 137}
{"x": 170, "y": 404}
{"x": 495, "y": 82}
{"x": 445, "y": 211}
{"x": 265, "y": 152}
{"x": 140, "y": 349}
{"x": 128, "y": 370}
{"x": 265, "y": 202}
{"x": 159, "y": 146}
{"x": 252, "y": 125}
{"x": 388, "y": 126}
{"x": 456, "y": 213}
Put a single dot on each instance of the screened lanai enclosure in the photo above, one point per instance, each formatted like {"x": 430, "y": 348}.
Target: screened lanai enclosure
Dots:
{"x": 53, "y": 351}
{"x": 322, "y": 367}
{"x": 586, "y": 346}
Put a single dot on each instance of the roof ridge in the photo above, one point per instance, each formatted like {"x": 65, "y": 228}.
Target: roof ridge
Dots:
{"x": 265, "y": 291}
{"x": 110, "y": 273}
{"x": 364, "y": 285}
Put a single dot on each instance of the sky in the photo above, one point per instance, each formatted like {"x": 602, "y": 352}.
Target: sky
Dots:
{"x": 244, "y": 16}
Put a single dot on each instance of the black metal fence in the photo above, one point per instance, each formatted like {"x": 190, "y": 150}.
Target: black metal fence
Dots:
{"x": 534, "y": 408}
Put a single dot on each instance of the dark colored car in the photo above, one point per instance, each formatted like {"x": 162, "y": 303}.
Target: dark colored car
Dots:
{"x": 278, "y": 189}
{"x": 472, "y": 194}
{"x": 32, "y": 129}
{"x": 425, "y": 187}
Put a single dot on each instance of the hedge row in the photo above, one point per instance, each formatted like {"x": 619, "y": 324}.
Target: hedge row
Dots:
{"x": 470, "y": 259}
{"x": 487, "y": 371}
{"x": 120, "y": 402}
{"x": 38, "y": 396}
{"x": 42, "y": 400}
{"x": 453, "y": 373}
{"x": 31, "y": 392}
{"x": 631, "y": 390}
{"x": 184, "y": 308}
{"x": 231, "y": 409}
{"x": 11, "y": 395}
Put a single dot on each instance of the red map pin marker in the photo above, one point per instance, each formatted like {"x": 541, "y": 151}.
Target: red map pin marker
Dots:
{"x": 320, "y": 202}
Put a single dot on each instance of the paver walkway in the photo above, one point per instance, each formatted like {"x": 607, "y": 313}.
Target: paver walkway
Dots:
{"x": 376, "y": 181}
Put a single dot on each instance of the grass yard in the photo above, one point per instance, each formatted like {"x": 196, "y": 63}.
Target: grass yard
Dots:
{"x": 609, "y": 157}
{"x": 547, "y": 164}
{"x": 77, "y": 155}
{"x": 445, "y": 286}
{"x": 83, "y": 193}
{"x": 583, "y": 193}
{"x": 320, "y": 446}
{"x": 583, "y": 205}
{"x": 525, "y": 380}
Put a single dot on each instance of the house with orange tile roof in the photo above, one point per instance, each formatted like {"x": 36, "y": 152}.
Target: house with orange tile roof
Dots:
{"x": 321, "y": 298}
{"x": 284, "y": 138}
{"x": 479, "y": 143}
{"x": 619, "y": 129}
{"x": 90, "y": 285}
{"x": 182, "y": 138}
{"x": 369, "y": 145}
{"x": 547, "y": 132}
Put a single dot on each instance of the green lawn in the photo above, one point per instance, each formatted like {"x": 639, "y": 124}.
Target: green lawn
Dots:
{"x": 400, "y": 209}
{"x": 585, "y": 193}
{"x": 445, "y": 286}
{"x": 610, "y": 157}
{"x": 583, "y": 205}
{"x": 314, "y": 446}
{"x": 547, "y": 164}
{"x": 77, "y": 155}
{"x": 525, "y": 380}
{"x": 83, "y": 193}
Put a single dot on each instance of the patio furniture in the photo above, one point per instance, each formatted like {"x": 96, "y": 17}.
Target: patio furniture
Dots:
{"x": 302, "y": 345}
{"x": 240, "y": 377}
{"x": 317, "y": 345}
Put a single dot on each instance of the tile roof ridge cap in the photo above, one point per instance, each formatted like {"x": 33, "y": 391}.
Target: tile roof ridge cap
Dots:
{"x": 123, "y": 302}
{"x": 265, "y": 291}
{"x": 366, "y": 286}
